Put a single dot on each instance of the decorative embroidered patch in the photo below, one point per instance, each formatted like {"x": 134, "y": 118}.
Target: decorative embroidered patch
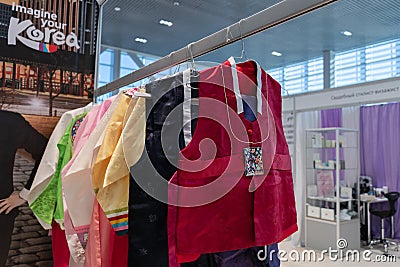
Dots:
{"x": 75, "y": 128}
{"x": 253, "y": 161}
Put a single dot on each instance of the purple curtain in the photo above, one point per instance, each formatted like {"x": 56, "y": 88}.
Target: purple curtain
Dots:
{"x": 331, "y": 118}
{"x": 380, "y": 152}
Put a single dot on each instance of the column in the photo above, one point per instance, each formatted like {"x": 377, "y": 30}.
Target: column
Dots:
{"x": 329, "y": 70}
{"x": 117, "y": 65}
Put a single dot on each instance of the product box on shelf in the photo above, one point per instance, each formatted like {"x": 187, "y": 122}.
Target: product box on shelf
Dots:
{"x": 312, "y": 190}
{"x": 346, "y": 192}
{"x": 328, "y": 214}
{"x": 313, "y": 211}
{"x": 317, "y": 140}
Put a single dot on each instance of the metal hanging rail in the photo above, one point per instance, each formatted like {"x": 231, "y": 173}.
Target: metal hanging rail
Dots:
{"x": 267, "y": 18}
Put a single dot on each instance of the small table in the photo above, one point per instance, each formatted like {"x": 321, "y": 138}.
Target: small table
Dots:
{"x": 367, "y": 203}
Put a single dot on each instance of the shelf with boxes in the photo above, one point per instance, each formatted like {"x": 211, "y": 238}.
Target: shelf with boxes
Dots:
{"x": 332, "y": 199}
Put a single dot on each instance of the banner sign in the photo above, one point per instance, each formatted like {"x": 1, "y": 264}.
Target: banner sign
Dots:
{"x": 52, "y": 32}
{"x": 47, "y": 48}
{"x": 367, "y": 93}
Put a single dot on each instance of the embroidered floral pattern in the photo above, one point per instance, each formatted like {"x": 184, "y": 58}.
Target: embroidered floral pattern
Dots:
{"x": 75, "y": 128}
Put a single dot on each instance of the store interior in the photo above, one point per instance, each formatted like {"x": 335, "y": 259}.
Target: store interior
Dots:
{"x": 339, "y": 67}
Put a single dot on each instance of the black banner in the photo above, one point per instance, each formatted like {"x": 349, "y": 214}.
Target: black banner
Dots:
{"x": 48, "y": 46}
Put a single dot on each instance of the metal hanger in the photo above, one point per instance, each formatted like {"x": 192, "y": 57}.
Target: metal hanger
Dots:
{"x": 193, "y": 73}
{"x": 229, "y": 36}
{"x": 243, "y": 55}
{"x": 191, "y": 58}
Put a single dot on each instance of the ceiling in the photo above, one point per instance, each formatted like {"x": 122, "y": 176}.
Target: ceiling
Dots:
{"x": 303, "y": 38}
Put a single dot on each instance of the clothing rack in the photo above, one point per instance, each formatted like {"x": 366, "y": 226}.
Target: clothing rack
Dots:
{"x": 267, "y": 18}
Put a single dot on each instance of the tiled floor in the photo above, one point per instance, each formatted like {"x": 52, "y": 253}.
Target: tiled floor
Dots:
{"x": 294, "y": 251}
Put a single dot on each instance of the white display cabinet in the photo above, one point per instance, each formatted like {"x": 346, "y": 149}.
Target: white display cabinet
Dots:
{"x": 332, "y": 198}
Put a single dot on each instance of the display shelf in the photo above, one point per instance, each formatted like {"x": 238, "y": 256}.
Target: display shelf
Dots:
{"x": 332, "y": 171}
{"x": 331, "y": 199}
{"x": 321, "y": 169}
{"x": 331, "y": 222}
{"x": 345, "y": 147}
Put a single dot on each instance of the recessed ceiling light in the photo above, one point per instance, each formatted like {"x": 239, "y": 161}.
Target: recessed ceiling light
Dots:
{"x": 117, "y": 8}
{"x": 277, "y": 54}
{"x": 176, "y": 3}
{"x": 166, "y": 23}
{"x": 140, "y": 40}
{"x": 347, "y": 33}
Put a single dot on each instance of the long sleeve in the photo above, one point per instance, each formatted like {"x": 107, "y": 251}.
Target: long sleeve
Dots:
{"x": 48, "y": 205}
{"x": 48, "y": 164}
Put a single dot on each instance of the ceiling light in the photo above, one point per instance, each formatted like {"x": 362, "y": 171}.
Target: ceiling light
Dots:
{"x": 166, "y": 23}
{"x": 347, "y": 33}
{"x": 140, "y": 40}
{"x": 277, "y": 54}
{"x": 176, "y": 3}
{"x": 117, "y": 8}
